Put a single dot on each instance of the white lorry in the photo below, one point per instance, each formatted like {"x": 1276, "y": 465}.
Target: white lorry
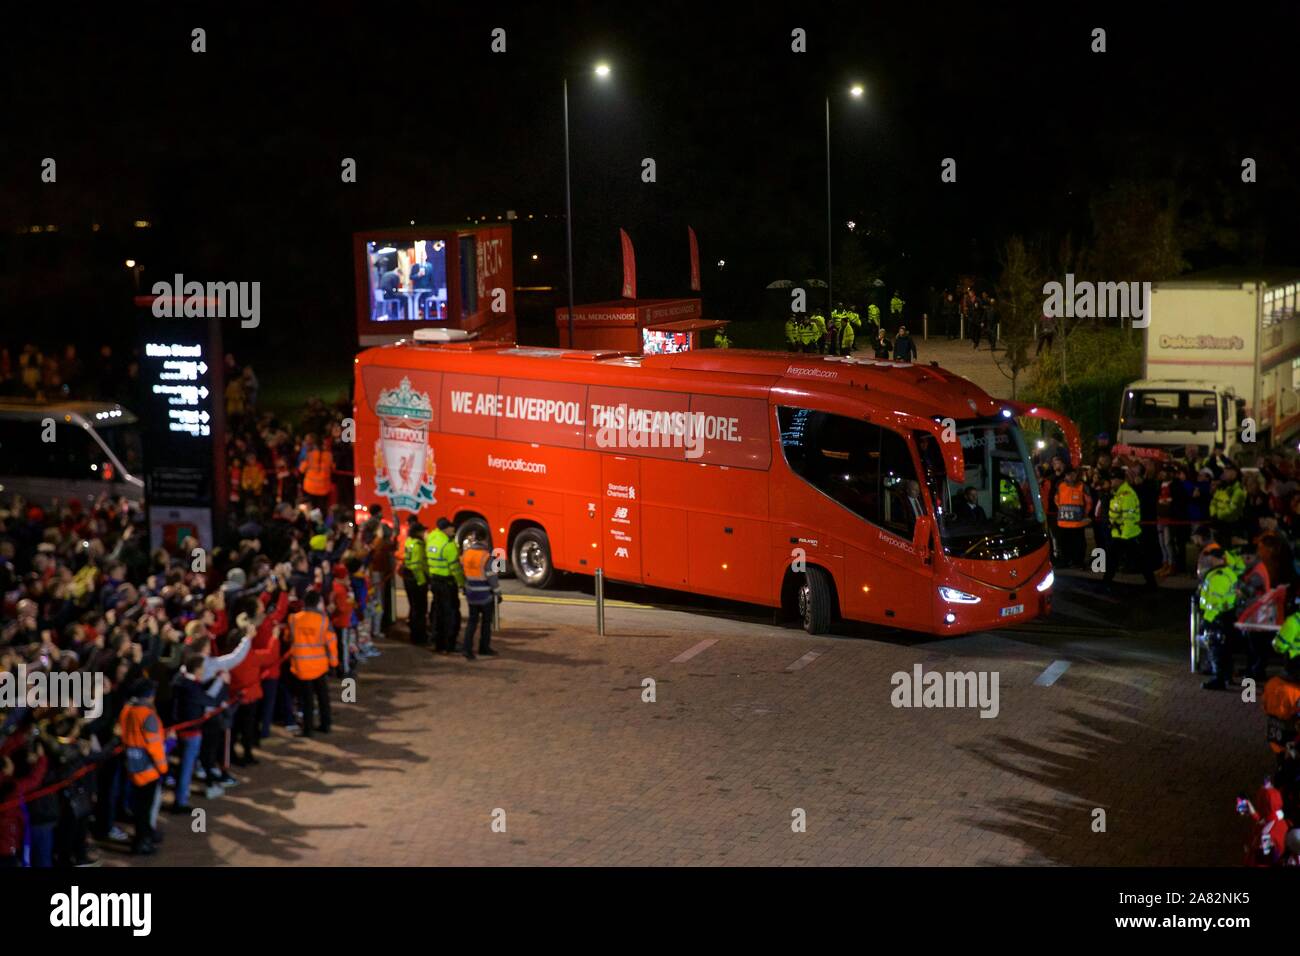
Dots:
{"x": 1222, "y": 351}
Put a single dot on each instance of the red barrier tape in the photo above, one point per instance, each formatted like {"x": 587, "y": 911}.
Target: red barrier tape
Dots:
{"x": 118, "y": 749}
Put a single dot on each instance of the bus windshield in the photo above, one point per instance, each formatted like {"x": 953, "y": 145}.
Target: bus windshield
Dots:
{"x": 995, "y": 514}
{"x": 1170, "y": 411}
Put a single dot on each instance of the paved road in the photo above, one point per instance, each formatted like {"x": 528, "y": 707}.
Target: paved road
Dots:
{"x": 753, "y": 722}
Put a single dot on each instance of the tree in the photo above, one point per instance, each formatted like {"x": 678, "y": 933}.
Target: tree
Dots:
{"x": 1019, "y": 292}
{"x": 855, "y": 272}
{"x": 1137, "y": 234}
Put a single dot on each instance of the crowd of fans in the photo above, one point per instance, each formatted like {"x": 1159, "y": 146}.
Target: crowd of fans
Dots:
{"x": 191, "y": 648}
{"x": 1181, "y": 498}
{"x": 30, "y": 372}
{"x": 1236, "y": 529}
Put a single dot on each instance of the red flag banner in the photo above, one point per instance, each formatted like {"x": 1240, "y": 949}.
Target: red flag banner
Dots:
{"x": 629, "y": 266}
{"x": 695, "y": 260}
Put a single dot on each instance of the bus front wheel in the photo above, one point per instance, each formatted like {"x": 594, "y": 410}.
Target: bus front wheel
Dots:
{"x": 530, "y": 557}
{"x": 815, "y": 601}
{"x": 476, "y": 526}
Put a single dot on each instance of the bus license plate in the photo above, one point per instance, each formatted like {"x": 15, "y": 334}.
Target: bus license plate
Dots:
{"x": 1013, "y": 610}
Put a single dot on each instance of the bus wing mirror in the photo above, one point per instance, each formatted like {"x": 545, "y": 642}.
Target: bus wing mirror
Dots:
{"x": 953, "y": 456}
{"x": 921, "y": 533}
{"x": 1067, "y": 426}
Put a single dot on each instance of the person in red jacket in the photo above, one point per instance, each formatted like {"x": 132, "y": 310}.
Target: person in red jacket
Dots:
{"x": 22, "y": 768}
{"x": 1267, "y": 845}
{"x": 278, "y": 604}
{"x": 341, "y": 607}
{"x": 246, "y": 677}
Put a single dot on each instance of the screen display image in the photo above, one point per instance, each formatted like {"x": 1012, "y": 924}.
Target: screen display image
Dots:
{"x": 664, "y": 343}
{"x": 408, "y": 280}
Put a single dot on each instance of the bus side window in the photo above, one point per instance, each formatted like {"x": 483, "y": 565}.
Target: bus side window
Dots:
{"x": 865, "y": 468}
{"x": 898, "y": 475}
{"x": 836, "y": 455}
{"x": 69, "y": 456}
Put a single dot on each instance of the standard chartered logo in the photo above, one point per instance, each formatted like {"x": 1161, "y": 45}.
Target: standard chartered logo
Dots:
{"x": 516, "y": 464}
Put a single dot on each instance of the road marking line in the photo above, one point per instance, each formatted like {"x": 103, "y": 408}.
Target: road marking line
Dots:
{"x": 804, "y": 661}
{"x": 1053, "y": 672}
{"x": 690, "y": 652}
{"x": 572, "y": 602}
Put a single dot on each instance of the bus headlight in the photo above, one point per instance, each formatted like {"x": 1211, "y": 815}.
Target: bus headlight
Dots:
{"x": 1048, "y": 581}
{"x": 953, "y": 596}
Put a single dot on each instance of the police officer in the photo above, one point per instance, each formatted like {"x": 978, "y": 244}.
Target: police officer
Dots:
{"x": 850, "y": 322}
{"x": 1217, "y": 599}
{"x": 1125, "y": 529}
{"x": 415, "y": 578}
{"x": 896, "y": 307}
{"x": 793, "y": 333}
{"x": 815, "y": 336}
{"x": 446, "y": 578}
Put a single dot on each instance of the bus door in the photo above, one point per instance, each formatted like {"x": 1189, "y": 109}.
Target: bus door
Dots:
{"x": 892, "y": 575}
{"x": 865, "y": 490}
{"x": 620, "y": 480}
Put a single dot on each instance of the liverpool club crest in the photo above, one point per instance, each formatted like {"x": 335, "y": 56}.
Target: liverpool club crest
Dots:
{"x": 404, "y": 465}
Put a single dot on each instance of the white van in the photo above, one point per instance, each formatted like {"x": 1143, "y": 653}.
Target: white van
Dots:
{"x": 96, "y": 450}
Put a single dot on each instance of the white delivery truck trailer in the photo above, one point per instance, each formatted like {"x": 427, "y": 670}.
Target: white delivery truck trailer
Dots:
{"x": 1220, "y": 349}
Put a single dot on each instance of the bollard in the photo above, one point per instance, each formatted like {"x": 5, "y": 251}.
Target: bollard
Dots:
{"x": 600, "y": 602}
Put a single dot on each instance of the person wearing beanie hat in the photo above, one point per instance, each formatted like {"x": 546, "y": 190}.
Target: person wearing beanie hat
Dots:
{"x": 146, "y": 762}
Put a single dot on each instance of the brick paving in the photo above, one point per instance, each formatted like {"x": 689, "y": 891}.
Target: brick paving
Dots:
{"x": 555, "y": 734}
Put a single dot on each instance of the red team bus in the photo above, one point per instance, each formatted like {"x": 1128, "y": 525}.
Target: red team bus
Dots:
{"x": 869, "y": 490}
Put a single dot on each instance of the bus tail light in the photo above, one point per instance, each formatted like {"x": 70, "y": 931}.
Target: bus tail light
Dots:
{"x": 953, "y": 596}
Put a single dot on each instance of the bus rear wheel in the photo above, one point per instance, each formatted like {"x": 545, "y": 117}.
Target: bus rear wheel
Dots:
{"x": 530, "y": 558}
{"x": 815, "y": 601}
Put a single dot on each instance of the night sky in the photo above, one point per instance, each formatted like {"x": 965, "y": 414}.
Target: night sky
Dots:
{"x": 233, "y": 155}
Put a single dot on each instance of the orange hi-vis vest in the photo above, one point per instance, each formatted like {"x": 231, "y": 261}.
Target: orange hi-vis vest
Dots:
{"x": 1281, "y": 701}
{"x": 142, "y": 735}
{"x": 317, "y": 467}
{"x": 315, "y": 648}
{"x": 1071, "y": 505}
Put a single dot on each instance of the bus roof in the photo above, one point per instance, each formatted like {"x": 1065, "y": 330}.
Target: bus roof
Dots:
{"x": 916, "y": 389}
{"x": 97, "y": 413}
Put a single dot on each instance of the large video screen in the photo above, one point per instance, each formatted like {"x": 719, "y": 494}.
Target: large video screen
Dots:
{"x": 408, "y": 280}
{"x": 664, "y": 343}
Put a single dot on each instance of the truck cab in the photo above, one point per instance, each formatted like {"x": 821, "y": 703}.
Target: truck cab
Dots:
{"x": 1170, "y": 414}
